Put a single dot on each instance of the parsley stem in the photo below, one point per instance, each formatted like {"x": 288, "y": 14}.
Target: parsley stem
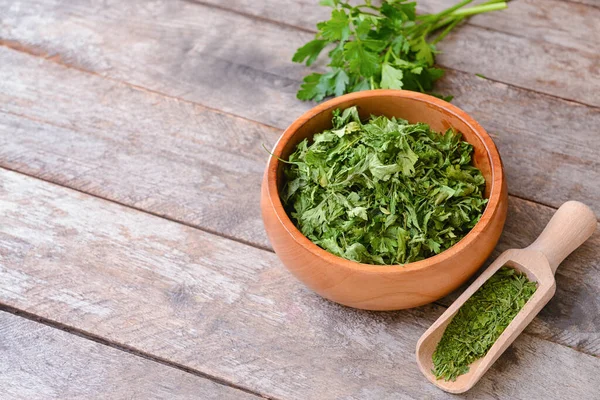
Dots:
{"x": 445, "y": 12}
{"x": 387, "y": 54}
{"x": 479, "y": 9}
{"x": 368, "y": 13}
{"x": 372, "y": 7}
{"x": 452, "y": 9}
{"x": 447, "y": 30}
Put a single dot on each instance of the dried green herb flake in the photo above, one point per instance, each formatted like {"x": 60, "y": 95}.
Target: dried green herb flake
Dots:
{"x": 383, "y": 191}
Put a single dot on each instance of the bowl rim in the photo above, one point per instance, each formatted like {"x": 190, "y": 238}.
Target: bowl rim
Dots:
{"x": 497, "y": 181}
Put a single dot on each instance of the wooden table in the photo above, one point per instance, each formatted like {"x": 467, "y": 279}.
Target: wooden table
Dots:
{"x": 133, "y": 261}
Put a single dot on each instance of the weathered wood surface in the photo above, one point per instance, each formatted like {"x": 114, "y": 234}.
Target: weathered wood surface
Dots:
{"x": 542, "y": 162}
{"x": 203, "y": 168}
{"x": 532, "y": 19}
{"x": 559, "y": 170}
{"x": 594, "y": 3}
{"x": 148, "y": 151}
{"x": 188, "y": 297}
{"x": 40, "y": 362}
{"x": 190, "y": 45}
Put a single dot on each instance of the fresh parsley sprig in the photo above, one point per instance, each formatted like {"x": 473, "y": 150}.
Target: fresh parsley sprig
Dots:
{"x": 387, "y": 46}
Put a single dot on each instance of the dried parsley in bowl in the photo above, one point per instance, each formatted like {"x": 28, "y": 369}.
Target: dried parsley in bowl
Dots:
{"x": 383, "y": 191}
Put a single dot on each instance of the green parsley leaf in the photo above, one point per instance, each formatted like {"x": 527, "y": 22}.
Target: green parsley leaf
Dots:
{"x": 312, "y": 89}
{"x": 391, "y": 78}
{"x": 423, "y": 51}
{"x": 361, "y": 85}
{"x": 340, "y": 83}
{"x": 310, "y": 51}
{"x": 360, "y": 60}
{"x": 336, "y": 28}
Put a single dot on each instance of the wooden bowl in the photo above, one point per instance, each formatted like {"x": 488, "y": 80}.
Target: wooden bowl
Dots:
{"x": 390, "y": 287}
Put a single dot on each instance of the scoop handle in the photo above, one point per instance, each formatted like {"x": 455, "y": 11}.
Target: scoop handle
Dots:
{"x": 571, "y": 225}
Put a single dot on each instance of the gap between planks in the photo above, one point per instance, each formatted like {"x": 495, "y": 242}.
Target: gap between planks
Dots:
{"x": 487, "y": 28}
{"x": 127, "y": 349}
{"x": 98, "y": 339}
{"x": 181, "y": 222}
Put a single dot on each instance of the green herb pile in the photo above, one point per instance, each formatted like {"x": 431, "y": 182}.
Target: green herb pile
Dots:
{"x": 386, "y": 46}
{"x": 383, "y": 191}
{"x": 480, "y": 321}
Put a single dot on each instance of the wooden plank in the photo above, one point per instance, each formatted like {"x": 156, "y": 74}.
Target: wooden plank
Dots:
{"x": 555, "y": 21}
{"x": 558, "y": 22}
{"x": 230, "y": 310}
{"x": 169, "y": 157}
{"x": 39, "y": 362}
{"x": 130, "y": 124}
{"x": 195, "y": 55}
{"x": 594, "y": 3}
{"x": 543, "y": 67}
{"x": 187, "y": 163}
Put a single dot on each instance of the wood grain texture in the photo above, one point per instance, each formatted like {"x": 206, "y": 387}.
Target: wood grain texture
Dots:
{"x": 551, "y": 171}
{"x": 191, "y": 51}
{"x": 195, "y": 55}
{"x": 182, "y": 65}
{"x": 594, "y": 3}
{"x": 40, "y": 362}
{"x": 82, "y": 134}
{"x": 188, "y": 297}
{"x": 535, "y": 19}
{"x": 145, "y": 150}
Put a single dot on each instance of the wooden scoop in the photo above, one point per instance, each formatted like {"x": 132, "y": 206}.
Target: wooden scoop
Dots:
{"x": 570, "y": 226}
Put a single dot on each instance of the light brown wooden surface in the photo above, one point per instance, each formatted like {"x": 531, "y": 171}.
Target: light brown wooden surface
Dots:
{"x": 128, "y": 106}
{"x": 535, "y": 19}
{"x": 142, "y": 149}
{"x": 130, "y": 160}
{"x": 40, "y": 362}
{"x": 261, "y": 85}
{"x": 188, "y": 298}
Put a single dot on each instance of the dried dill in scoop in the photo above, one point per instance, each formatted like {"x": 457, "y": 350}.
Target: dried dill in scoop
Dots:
{"x": 480, "y": 321}
{"x": 383, "y": 191}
